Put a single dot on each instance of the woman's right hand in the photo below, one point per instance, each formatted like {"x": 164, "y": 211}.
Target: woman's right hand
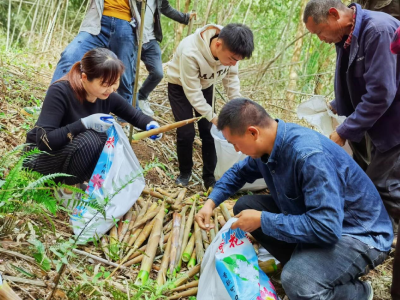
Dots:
{"x": 204, "y": 215}
{"x": 98, "y": 122}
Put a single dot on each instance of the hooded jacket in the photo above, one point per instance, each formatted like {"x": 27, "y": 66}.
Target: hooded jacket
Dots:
{"x": 194, "y": 68}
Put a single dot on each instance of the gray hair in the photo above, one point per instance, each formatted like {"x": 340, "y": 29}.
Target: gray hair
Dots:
{"x": 319, "y": 9}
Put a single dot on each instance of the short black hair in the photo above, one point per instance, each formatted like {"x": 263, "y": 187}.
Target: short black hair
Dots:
{"x": 319, "y": 9}
{"x": 240, "y": 113}
{"x": 238, "y": 38}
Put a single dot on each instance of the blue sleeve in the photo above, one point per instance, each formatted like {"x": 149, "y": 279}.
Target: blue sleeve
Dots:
{"x": 381, "y": 87}
{"x": 234, "y": 179}
{"x": 322, "y": 223}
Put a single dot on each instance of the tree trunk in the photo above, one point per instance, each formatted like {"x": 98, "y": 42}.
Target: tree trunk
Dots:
{"x": 179, "y": 30}
{"x": 290, "y": 97}
{"x": 209, "y": 5}
{"x": 247, "y": 12}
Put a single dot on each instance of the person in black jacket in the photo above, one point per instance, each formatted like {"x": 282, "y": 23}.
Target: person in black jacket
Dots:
{"x": 151, "y": 52}
{"x": 75, "y": 117}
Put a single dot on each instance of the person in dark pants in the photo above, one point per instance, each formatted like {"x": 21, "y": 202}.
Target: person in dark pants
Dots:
{"x": 201, "y": 60}
{"x": 391, "y": 7}
{"x": 75, "y": 117}
{"x": 324, "y": 219}
{"x": 151, "y": 51}
{"x": 395, "y": 290}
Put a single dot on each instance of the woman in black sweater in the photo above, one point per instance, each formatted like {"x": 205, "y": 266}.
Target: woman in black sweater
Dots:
{"x": 75, "y": 117}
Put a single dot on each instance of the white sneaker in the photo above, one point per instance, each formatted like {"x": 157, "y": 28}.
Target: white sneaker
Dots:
{"x": 145, "y": 107}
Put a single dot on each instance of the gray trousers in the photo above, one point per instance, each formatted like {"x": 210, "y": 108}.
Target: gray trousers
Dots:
{"x": 384, "y": 171}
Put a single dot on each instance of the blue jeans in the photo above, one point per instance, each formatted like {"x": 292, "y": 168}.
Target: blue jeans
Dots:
{"x": 312, "y": 271}
{"x": 118, "y": 36}
{"x": 151, "y": 57}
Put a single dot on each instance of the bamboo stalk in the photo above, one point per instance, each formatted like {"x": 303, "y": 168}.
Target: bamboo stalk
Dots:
{"x": 127, "y": 227}
{"x": 162, "y": 273}
{"x": 181, "y": 196}
{"x": 104, "y": 246}
{"x": 113, "y": 239}
{"x": 151, "y": 248}
{"x": 198, "y": 242}
{"x": 168, "y": 227}
{"x": 143, "y": 249}
{"x": 185, "y": 277}
{"x": 140, "y": 235}
{"x": 190, "y": 292}
{"x": 185, "y": 286}
{"x": 181, "y": 233}
{"x": 135, "y": 233}
{"x": 225, "y": 212}
{"x": 138, "y": 58}
{"x": 6, "y": 292}
{"x": 212, "y": 231}
{"x": 188, "y": 249}
{"x": 127, "y": 238}
{"x": 162, "y": 129}
{"x": 157, "y": 195}
{"x": 163, "y": 192}
{"x": 188, "y": 226}
{"x": 148, "y": 216}
{"x": 216, "y": 226}
{"x": 204, "y": 237}
{"x": 140, "y": 201}
{"x": 175, "y": 241}
{"x": 192, "y": 261}
{"x": 221, "y": 220}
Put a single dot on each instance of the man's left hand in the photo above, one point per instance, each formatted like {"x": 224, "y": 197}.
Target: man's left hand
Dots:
{"x": 193, "y": 15}
{"x": 337, "y": 139}
{"x": 248, "y": 220}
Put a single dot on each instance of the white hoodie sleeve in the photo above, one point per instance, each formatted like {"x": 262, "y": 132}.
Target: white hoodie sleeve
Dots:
{"x": 189, "y": 76}
{"x": 231, "y": 83}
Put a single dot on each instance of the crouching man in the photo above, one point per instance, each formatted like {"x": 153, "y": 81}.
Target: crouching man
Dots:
{"x": 323, "y": 219}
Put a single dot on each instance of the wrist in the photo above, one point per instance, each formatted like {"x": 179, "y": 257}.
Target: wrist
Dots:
{"x": 210, "y": 203}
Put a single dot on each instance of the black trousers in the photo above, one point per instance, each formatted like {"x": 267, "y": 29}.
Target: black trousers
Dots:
{"x": 182, "y": 110}
{"x": 384, "y": 171}
{"x": 78, "y": 158}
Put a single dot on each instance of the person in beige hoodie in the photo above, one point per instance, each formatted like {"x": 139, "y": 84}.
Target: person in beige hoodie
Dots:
{"x": 201, "y": 60}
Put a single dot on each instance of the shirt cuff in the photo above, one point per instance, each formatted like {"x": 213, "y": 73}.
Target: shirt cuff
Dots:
{"x": 217, "y": 197}
{"x": 268, "y": 221}
{"x": 210, "y": 115}
{"x": 344, "y": 133}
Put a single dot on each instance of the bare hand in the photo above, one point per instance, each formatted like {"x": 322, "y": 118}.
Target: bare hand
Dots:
{"x": 214, "y": 121}
{"x": 203, "y": 216}
{"x": 248, "y": 220}
{"x": 193, "y": 15}
{"x": 337, "y": 139}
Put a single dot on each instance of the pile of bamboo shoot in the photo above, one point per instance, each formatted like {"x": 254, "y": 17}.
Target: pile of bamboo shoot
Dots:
{"x": 160, "y": 234}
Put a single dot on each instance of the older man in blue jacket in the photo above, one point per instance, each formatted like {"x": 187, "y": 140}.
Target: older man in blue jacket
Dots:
{"x": 323, "y": 219}
{"x": 366, "y": 88}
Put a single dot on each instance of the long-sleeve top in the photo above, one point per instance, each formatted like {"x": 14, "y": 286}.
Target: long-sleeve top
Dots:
{"x": 195, "y": 68}
{"x": 60, "y": 118}
{"x": 367, "y": 82}
{"x": 321, "y": 192}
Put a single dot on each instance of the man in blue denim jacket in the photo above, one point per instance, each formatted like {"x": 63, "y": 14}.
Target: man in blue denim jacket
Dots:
{"x": 323, "y": 219}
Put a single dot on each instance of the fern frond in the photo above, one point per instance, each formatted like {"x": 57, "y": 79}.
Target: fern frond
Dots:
{"x": 43, "y": 180}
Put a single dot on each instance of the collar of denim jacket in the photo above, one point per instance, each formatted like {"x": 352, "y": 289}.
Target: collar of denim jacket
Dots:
{"x": 278, "y": 144}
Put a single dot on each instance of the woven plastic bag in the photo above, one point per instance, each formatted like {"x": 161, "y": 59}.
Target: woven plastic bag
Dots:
{"x": 227, "y": 157}
{"x": 230, "y": 269}
{"x": 116, "y": 166}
